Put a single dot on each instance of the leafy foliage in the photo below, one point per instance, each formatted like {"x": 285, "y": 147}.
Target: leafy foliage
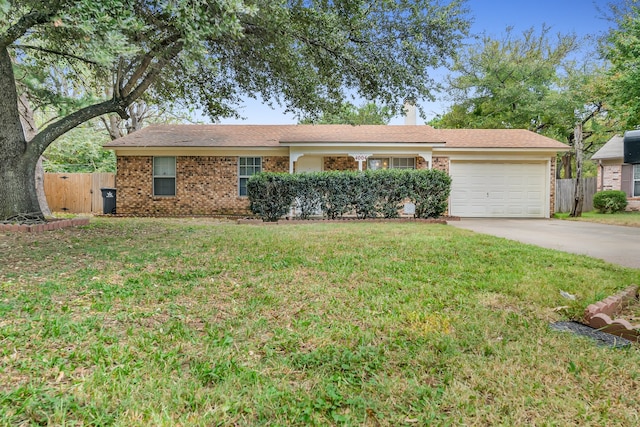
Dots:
{"x": 610, "y": 201}
{"x": 622, "y": 50}
{"x": 366, "y": 194}
{"x": 349, "y": 114}
{"x": 429, "y": 190}
{"x": 80, "y": 150}
{"x": 507, "y": 83}
{"x": 271, "y": 194}
{"x": 307, "y": 201}
{"x": 334, "y": 193}
{"x": 394, "y": 186}
{"x": 530, "y": 81}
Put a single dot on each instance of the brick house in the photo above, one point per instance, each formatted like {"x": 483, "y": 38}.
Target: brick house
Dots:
{"x": 203, "y": 169}
{"x": 616, "y": 174}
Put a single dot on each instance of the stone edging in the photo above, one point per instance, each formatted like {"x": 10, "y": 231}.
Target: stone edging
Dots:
{"x": 599, "y": 315}
{"x": 50, "y": 225}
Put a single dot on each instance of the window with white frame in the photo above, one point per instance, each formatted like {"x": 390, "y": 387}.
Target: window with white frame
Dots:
{"x": 636, "y": 180}
{"x": 247, "y": 166}
{"x": 376, "y": 163}
{"x": 164, "y": 176}
{"x": 403, "y": 163}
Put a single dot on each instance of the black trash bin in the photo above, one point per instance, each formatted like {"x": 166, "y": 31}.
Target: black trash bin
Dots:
{"x": 108, "y": 200}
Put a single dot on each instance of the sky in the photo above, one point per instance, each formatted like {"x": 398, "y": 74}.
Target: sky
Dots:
{"x": 492, "y": 17}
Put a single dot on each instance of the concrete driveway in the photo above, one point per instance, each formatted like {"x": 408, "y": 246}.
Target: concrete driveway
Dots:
{"x": 612, "y": 243}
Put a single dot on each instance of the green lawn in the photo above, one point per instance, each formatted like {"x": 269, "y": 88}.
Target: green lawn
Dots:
{"x": 157, "y": 322}
{"x": 630, "y": 219}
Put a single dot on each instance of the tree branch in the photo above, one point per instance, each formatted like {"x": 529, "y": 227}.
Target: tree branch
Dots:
{"x": 152, "y": 75}
{"x": 146, "y": 62}
{"x": 56, "y": 52}
{"x": 49, "y": 134}
{"x": 115, "y": 105}
{"x": 28, "y": 21}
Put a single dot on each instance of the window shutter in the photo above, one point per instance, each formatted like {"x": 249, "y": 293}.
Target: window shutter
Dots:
{"x": 627, "y": 179}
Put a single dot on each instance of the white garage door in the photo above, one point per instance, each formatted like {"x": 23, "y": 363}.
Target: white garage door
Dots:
{"x": 510, "y": 190}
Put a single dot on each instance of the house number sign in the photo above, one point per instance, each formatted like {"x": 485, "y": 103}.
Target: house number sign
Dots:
{"x": 360, "y": 157}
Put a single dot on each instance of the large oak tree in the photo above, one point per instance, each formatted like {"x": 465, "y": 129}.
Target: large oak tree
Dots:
{"x": 307, "y": 55}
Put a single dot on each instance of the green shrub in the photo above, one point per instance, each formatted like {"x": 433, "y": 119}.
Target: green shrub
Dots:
{"x": 334, "y": 193}
{"x": 308, "y": 196}
{"x": 367, "y": 194}
{"x": 429, "y": 190}
{"x": 271, "y": 194}
{"x": 610, "y": 201}
{"x": 393, "y": 188}
{"x": 364, "y": 193}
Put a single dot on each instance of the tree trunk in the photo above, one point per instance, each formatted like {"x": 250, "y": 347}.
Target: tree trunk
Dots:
{"x": 42, "y": 197}
{"x": 566, "y": 165}
{"x": 28, "y": 122}
{"x": 17, "y": 168}
{"x": 18, "y": 196}
{"x": 578, "y": 198}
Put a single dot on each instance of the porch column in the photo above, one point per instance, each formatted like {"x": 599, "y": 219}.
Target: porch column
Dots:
{"x": 293, "y": 157}
{"x": 427, "y": 158}
{"x": 360, "y": 157}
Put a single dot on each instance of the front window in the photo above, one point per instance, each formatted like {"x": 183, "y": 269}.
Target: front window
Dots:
{"x": 403, "y": 163}
{"x": 377, "y": 163}
{"x": 636, "y": 180}
{"x": 164, "y": 176}
{"x": 247, "y": 166}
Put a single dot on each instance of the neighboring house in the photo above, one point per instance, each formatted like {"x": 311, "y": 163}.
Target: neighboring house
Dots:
{"x": 616, "y": 174}
{"x": 203, "y": 169}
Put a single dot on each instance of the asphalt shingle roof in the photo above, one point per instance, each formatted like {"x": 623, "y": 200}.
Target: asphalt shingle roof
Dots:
{"x": 184, "y": 135}
{"x": 613, "y": 149}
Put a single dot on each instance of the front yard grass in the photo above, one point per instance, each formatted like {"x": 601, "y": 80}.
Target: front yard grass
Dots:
{"x": 629, "y": 219}
{"x": 158, "y": 322}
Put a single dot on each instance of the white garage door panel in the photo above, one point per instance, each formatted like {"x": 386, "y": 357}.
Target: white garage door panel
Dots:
{"x": 498, "y": 189}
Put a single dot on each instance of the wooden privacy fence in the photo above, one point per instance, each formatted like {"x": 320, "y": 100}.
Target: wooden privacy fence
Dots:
{"x": 76, "y": 192}
{"x": 564, "y": 194}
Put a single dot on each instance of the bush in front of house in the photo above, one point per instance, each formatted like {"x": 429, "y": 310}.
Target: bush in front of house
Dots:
{"x": 429, "y": 190}
{"x": 364, "y": 193}
{"x": 367, "y": 194}
{"x": 610, "y": 201}
{"x": 308, "y": 196}
{"x": 271, "y": 194}
{"x": 393, "y": 187}
{"x": 334, "y": 193}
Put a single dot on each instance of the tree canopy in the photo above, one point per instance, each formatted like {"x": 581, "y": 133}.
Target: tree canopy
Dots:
{"x": 528, "y": 81}
{"x": 506, "y": 83}
{"x": 307, "y": 55}
{"x": 349, "y": 114}
{"x": 621, "y": 48}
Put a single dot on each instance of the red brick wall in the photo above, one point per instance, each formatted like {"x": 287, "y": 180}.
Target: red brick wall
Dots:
{"x": 441, "y": 163}
{"x": 421, "y": 163}
{"x": 340, "y": 164}
{"x": 205, "y": 185}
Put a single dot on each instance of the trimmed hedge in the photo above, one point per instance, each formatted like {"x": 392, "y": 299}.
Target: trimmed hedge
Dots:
{"x": 610, "y": 201}
{"x": 271, "y": 194}
{"x": 367, "y": 194}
